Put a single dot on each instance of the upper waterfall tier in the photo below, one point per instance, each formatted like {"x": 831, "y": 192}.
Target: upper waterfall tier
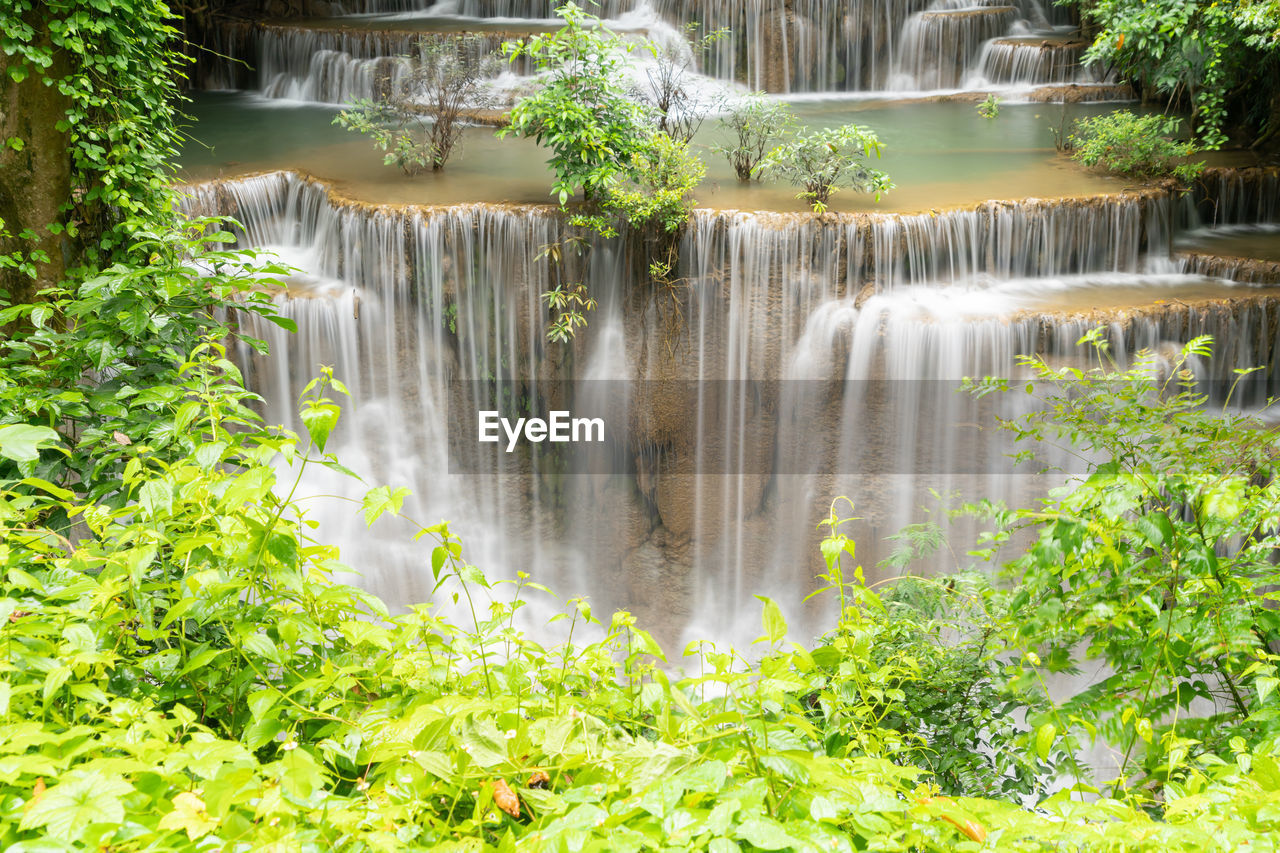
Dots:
{"x": 771, "y": 45}
{"x": 1034, "y": 238}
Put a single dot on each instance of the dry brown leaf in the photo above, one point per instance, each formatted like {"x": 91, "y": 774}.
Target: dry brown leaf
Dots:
{"x": 973, "y": 829}
{"x": 37, "y": 791}
{"x": 539, "y": 780}
{"x": 506, "y": 798}
{"x": 120, "y": 438}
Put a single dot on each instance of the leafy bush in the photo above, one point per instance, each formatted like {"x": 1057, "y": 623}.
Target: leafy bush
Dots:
{"x": 656, "y": 189}
{"x": 187, "y": 674}
{"x": 950, "y": 702}
{"x": 1218, "y": 58}
{"x": 756, "y": 121}
{"x": 990, "y": 107}
{"x": 1133, "y": 145}
{"x": 630, "y": 160}
{"x": 117, "y": 67}
{"x": 419, "y": 123}
{"x": 1159, "y": 563}
{"x": 582, "y": 111}
{"x": 823, "y": 161}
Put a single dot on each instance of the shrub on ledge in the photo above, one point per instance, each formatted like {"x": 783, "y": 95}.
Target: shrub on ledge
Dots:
{"x": 1134, "y": 146}
{"x": 823, "y": 161}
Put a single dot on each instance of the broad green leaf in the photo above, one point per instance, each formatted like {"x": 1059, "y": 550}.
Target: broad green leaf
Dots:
{"x": 78, "y": 801}
{"x": 189, "y": 815}
{"x": 320, "y": 418}
{"x": 775, "y": 627}
{"x": 484, "y": 743}
{"x": 383, "y": 499}
{"x": 766, "y": 833}
{"x": 22, "y": 442}
{"x": 1044, "y": 739}
{"x": 156, "y": 497}
{"x": 262, "y": 646}
{"x": 436, "y": 763}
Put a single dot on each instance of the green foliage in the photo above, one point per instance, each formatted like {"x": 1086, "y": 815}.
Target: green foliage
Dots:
{"x": 990, "y": 107}
{"x": 1207, "y": 52}
{"x": 756, "y": 122}
{"x": 568, "y": 304}
{"x": 655, "y": 191}
{"x": 823, "y": 161}
{"x": 99, "y": 360}
{"x": 1159, "y": 564}
{"x": 1133, "y": 145}
{"x": 182, "y": 671}
{"x": 946, "y": 707}
{"x": 418, "y": 122}
{"x": 630, "y": 160}
{"x": 582, "y": 112}
{"x": 118, "y": 65}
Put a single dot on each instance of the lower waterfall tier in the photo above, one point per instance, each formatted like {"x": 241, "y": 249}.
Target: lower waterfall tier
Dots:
{"x": 799, "y": 358}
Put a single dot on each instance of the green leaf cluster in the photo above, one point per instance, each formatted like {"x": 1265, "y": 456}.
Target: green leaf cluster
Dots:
{"x": 1218, "y": 56}
{"x": 183, "y": 670}
{"x": 1158, "y": 564}
{"x": 1138, "y": 146}
{"x": 119, "y": 65}
{"x": 583, "y": 111}
{"x": 823, "y": 161}
{"x": 418, "y": 118}
{"x": 755, "y": 121}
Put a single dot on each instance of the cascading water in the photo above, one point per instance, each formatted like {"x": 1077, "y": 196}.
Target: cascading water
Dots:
{"x": 794, "y": 46}
{"x": 806, "y": 358}
{"x": 939, "y": 46}
{"x": 1030, "y": 60}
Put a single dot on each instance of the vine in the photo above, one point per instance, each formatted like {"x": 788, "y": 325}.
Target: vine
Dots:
{"x": 116, "y": 66}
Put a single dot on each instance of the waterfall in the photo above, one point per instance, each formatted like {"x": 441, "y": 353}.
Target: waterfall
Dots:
{"x": 939, "y": 46}
{"x": 1030, "y": 60}
{"x": 1237, "y": 196}
{"x": 336, "y": 66}
{"x": 331, "y": 66}
{"x": 799, "y": 359}
{"x": 774, "y": 45}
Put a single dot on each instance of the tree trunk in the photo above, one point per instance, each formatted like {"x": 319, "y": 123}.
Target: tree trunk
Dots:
{"x": 35, "y": 181}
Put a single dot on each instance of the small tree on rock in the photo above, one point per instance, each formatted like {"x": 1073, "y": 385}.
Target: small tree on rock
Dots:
{"x": 419, "y": 121}
{"x": 756, "y": 121}
{"x": 582, "y": 112}
{"x": 825, "y": 160}
{"x": 671, "y": 84}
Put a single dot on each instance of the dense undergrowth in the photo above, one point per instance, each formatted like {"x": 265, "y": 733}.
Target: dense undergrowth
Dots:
{"x": 181, "y": 669}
